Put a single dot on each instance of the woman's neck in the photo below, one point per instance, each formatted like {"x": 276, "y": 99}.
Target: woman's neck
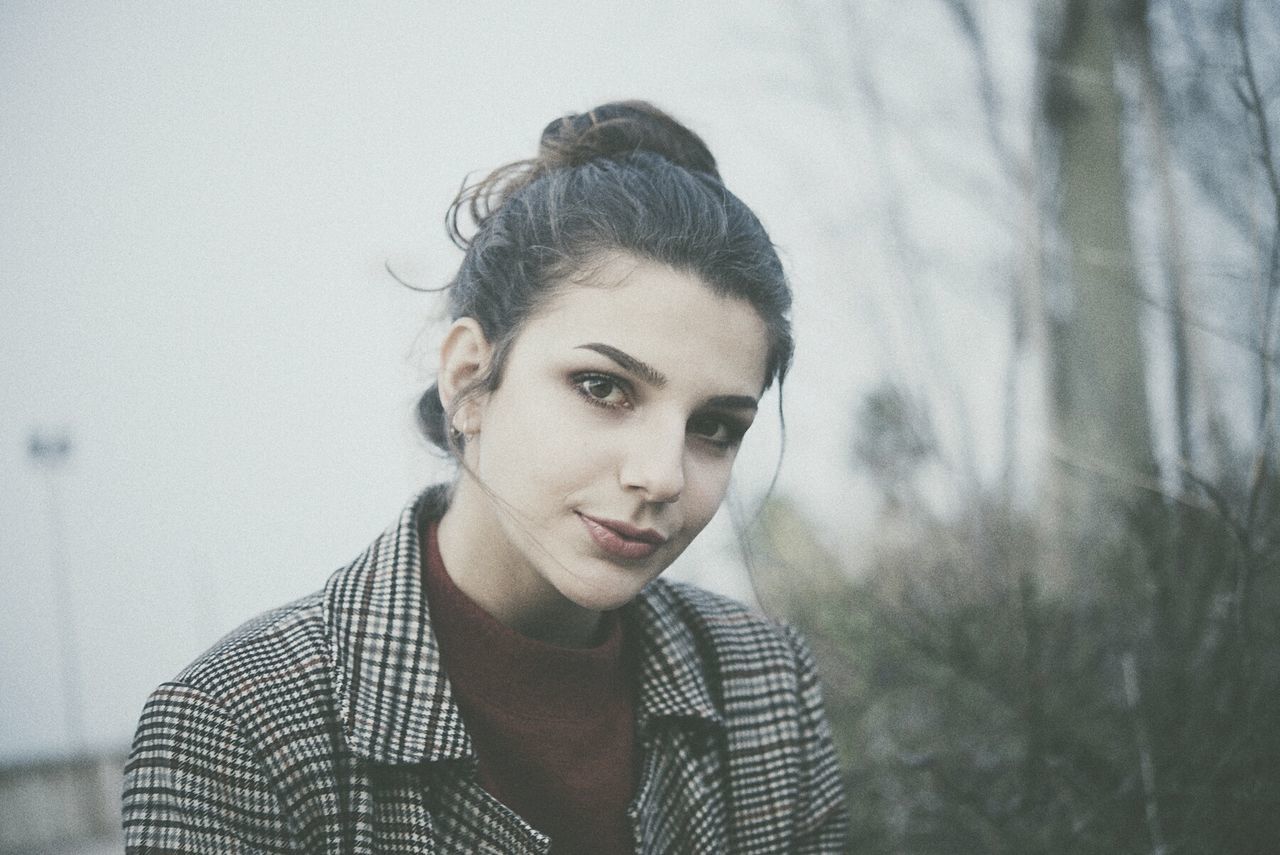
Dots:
{"x": 488, "y": 568}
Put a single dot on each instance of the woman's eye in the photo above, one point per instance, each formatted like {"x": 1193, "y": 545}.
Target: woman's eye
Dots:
{"x": 717, "y": 430}
{"x": 601, "y": 390}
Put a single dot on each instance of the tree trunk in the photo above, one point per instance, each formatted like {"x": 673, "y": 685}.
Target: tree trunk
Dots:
{"x": 1102, "y": 438}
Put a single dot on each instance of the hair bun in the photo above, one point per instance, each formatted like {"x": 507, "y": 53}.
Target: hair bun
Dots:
{"x": 609, "y": 132}
{"x": 619, "y": 128}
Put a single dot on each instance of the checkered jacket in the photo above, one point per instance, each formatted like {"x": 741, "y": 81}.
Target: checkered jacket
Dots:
{"x": 328, "y": 726}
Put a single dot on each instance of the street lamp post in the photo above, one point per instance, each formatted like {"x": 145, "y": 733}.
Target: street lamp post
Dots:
{"x": 49, "y": 451}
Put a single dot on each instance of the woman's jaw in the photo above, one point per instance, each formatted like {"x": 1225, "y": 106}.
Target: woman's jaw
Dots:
{"x": 555, "y": 581}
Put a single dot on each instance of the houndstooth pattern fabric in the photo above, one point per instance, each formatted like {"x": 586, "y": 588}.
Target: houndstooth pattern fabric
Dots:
{"x": 327, "y": 726}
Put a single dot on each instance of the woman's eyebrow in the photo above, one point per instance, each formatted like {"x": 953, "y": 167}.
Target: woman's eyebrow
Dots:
{"x": 643, "y": 369}
{"x": 734, "y": 402}
{"x": 656, "y": 378}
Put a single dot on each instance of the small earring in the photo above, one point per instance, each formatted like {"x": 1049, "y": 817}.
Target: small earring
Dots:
{"x": 466, "y": 430}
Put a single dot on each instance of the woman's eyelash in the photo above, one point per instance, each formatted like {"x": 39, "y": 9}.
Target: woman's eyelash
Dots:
{"x": 734, "y": 429}
{"x": 597, "y": 387}
{"x": 584, "y": 383}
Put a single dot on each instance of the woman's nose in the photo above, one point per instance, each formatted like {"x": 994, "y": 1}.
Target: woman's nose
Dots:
{"x": 654, "y": 464}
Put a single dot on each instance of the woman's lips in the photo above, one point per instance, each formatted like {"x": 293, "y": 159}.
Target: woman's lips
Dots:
{"x": 621, "y": 540}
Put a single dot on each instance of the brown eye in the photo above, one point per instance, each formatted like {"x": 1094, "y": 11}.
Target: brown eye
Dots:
{"x": 717, "y": 430}
{"x": 598, "y": 388}
{"x": 601, "y": 390}
{"x": 711, "y": 428}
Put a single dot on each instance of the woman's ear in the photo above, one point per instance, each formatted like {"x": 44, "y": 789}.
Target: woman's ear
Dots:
{"x": 464, "y": 357}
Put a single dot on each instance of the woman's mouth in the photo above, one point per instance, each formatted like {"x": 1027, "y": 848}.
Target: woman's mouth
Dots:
{"x": 622, "y": 540}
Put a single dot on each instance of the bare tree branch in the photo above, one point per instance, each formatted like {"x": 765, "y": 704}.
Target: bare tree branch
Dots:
{"x": 1256, "y": 106}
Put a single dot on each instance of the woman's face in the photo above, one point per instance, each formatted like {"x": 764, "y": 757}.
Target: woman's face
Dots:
{"x": 609, "y": 442}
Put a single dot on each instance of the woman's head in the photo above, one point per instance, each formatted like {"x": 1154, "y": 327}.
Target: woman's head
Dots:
{"x": 610, "y": 441}
{"x": 621, "y": 181}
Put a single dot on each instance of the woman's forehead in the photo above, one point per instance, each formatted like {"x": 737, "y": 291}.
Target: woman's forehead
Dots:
{"x": 668, "y": 318}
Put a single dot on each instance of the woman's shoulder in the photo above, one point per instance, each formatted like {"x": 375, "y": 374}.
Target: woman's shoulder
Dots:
{"x": 298, "y": 642}
{"x": 264, "y": 686}
{"x": 277, "y": 644}
{"x": 736, "y": 643}
{"x": 238, "y": 740}
{"x": 757, "y": 679}
{"x": 722, "y": 619}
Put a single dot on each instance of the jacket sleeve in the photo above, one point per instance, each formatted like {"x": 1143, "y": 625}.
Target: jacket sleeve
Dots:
{"x": 823, "y": 826}
{"x": 193, "y": 784}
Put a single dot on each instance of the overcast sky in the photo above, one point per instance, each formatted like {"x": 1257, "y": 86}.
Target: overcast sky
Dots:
{"x": 199, "y": 199}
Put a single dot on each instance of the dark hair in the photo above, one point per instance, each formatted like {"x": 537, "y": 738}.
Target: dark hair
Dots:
{"x": 622, "y": 179}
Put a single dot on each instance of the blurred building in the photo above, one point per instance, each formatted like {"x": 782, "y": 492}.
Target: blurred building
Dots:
{"x": 61, "y": 806}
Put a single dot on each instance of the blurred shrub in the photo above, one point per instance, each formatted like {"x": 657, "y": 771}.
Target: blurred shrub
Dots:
{"x": 982, "y": 705}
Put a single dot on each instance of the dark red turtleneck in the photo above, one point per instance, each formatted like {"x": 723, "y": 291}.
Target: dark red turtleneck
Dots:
{"x": 553, "y": 727}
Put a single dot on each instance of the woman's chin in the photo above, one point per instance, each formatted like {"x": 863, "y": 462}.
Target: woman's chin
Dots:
{"x": 605, "y": 591}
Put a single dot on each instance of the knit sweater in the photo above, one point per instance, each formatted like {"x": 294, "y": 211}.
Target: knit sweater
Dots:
{"x": 552, "y": 727}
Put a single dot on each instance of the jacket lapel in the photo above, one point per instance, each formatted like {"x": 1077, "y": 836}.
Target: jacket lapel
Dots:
{"x": 680, "y": 804}
{"x": 395, "y": 702}
{"x": 397, "y": 708}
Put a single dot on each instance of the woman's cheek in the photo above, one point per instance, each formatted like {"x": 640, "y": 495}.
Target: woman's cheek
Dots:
{"x": 706, "y": 482}
{"x": 571, "y": 447}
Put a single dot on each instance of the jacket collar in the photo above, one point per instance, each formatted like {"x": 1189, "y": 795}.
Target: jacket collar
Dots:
{"x": 393, "y": 697}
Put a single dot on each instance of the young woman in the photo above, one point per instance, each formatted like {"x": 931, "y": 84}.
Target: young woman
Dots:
{"x": 502, "y": 670}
